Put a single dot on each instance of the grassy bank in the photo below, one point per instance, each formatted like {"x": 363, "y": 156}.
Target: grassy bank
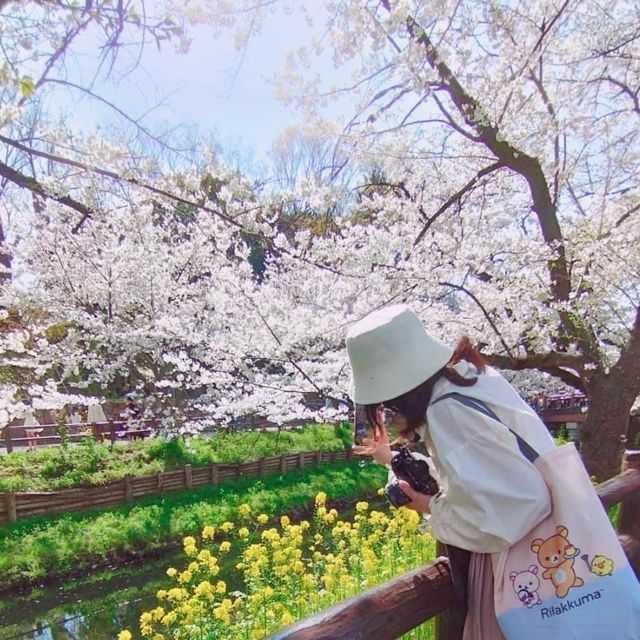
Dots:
{"x": 35, "y": 550}
{"x": 93, "y": 463}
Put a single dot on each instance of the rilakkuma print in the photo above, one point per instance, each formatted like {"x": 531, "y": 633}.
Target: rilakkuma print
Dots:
{"x": 557, "y": 556}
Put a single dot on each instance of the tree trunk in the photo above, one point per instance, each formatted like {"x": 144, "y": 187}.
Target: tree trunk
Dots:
{"x": 602, "y": 436}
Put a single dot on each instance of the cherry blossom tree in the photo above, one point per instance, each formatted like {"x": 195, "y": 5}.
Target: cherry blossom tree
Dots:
{"x": 503, "y": 203}
{"x": 506, "y": 200}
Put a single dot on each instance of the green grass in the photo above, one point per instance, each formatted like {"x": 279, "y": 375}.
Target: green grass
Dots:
{"x": 41, "y": 548}
{"x": 92, "y": 463}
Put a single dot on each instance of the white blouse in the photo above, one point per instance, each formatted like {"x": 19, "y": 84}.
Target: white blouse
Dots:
{"x": 491, "y": 495}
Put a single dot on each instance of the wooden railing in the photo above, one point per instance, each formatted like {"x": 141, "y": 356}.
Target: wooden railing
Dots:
{"x": 397, "y": 606}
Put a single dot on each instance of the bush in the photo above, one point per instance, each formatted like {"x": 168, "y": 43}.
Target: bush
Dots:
{"x": 286, "y": 571}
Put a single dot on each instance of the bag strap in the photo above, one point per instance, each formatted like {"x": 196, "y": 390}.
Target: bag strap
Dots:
{"x": 473, "y": 403}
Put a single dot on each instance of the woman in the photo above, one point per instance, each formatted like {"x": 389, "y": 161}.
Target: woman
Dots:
{"x": 490, "y": 494}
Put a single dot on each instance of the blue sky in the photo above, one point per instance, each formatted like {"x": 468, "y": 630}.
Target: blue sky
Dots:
{"x": 210, "y": 87}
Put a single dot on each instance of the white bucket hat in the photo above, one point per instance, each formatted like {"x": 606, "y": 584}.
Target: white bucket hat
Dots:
{"x": 391, "y": 353}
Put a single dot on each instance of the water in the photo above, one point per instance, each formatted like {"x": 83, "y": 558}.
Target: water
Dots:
{"x": 91, "y": 608}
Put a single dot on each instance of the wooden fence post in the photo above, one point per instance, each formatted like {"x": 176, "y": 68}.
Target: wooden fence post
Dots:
{"x": 128, "y": 489}
{"x": 213, "y": 473}
{"x": 7, "y": 439}
{"x": 112, "y": 432}
{"x": 283, "y": 463}
{"x": 318, "y": 457}
{"x": 450, "y": 623}
{"x": 188, "y": 476}
{"x": 301, "y": 460}
{"x": 12, "y": 512}
{"x": 261, "y": 467}
{"x": 160, "y": 481}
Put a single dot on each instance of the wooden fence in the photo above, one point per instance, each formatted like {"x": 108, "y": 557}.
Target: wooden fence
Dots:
{"x": 21, "y": 505}
{"x": 397, "y": 606}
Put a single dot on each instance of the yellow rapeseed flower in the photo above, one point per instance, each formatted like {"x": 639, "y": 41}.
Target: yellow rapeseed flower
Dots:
{"x": 171, "y": 572}
{"x": 225, "y": 546}
{"x": 157, "y": 613}
{"x": 208, "y": 532}
{"x": 170, "y": 618}
{"x": 125, "y": 635}
{"x": 204, "y": 555}
{"x": 263, "y": 518}
{"x": 185, "y": 577}
{"x": 204, "y": 589}
{"x": 286, "y": 619}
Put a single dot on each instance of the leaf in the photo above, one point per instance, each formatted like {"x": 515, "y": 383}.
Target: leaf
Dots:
{"x": 27, "y": 86}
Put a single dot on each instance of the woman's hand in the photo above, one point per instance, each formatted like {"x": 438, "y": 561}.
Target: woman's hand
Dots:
{"x": 377, "y": 446}
{"x": 418, "y": 501}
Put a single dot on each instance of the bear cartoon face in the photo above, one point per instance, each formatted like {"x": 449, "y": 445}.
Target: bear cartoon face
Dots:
{"x": 526, "y": 584}
{"x": 557, "y": 556}
{"x": 553, "y": 551}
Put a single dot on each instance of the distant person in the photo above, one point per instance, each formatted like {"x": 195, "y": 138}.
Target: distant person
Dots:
{"x": 134, "y": 419}
{"x": 32, "y": 430}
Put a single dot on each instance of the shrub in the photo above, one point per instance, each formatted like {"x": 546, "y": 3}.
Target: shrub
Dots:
{"x": 286, "y": 571}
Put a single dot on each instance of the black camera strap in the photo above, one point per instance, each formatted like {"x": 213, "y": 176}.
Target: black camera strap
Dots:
{"x": 525, "y": 448}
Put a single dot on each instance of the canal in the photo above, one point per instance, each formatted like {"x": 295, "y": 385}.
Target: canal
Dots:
{"x": 95, "y": 607}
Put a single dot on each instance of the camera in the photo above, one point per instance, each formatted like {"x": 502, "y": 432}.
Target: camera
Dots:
{"x": 413, "y": 470}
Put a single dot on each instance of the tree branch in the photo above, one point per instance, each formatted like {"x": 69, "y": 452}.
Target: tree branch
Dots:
{"x": 485, "y": 313}
{"x": 114, "y": 176}
{"x": 510, "y": 156}
{"x": 34, "y": 186}
{"x": 551, "y": 363}
{"x": 456, "y": 197}
{"x": 626, "y": 215}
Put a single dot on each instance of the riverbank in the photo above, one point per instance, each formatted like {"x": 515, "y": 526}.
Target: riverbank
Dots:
{"x": 90, "y": 463}
{"x": 38, "y": 550}
{"x": 98, "y": 605}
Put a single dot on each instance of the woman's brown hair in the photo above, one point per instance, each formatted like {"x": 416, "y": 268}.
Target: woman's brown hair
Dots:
{"x": 412, "y": 406}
